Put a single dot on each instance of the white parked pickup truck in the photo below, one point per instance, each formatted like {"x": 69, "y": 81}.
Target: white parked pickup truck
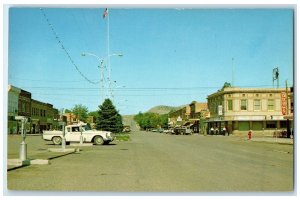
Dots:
{"x": 73, "y": 134}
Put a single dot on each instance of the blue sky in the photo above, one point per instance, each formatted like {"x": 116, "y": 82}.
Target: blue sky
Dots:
{"x": 171, "y": 56}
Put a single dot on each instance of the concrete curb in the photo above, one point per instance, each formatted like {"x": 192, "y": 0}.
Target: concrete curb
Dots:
{"x": 274, "y": 140}
{"x": 81, "y": 145}
{"x": 27, "y": 162}
{"x": 61, "y": 150}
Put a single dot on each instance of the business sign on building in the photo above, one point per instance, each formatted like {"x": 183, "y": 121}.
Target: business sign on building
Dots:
{"x": 220, "y": 110}
{"x": 283, "y": 103}
{"x": 179, "y": 119}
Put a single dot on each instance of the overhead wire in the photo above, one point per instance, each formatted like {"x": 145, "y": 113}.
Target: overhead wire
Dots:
{"x": 64, "y": 48}
{"x": 142, "y": 88}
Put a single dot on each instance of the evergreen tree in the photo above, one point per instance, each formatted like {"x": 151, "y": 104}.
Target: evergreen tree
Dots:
{"x": 109, "y": 118}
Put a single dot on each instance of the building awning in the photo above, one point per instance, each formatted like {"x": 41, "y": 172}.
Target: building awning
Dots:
{"x": 290, "y": 116}
{"x": 191, "y": 122}
{"x": 186, "y": 124}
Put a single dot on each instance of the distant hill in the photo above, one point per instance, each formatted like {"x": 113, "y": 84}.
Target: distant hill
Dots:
{"x": 163, "y": 109}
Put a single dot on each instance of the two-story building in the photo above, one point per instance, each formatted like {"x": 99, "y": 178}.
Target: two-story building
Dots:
{"x": 13, "y": 108}
{"x": 179, "y": 116}
{"x": 24, "y": 103}
{"x": 261, "y": 110}
{"x": 42, "y": 116}
{"x": 191, "y": 115}
{"x": 71, "y": 118}
{"x": 198, "y": 114}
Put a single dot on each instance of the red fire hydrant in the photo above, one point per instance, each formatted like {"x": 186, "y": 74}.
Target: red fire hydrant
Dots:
{"x": 249, "y": 135}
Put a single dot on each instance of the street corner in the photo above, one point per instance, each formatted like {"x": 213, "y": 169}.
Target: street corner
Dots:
{"x": 18, "y": 163}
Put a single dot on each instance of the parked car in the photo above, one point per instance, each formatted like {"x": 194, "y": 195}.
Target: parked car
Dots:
{"x": 126, "y": 129}
{"x": 74, "y": 132}
{"x": 183, "y": 131}
{"x": 169, "y": 131}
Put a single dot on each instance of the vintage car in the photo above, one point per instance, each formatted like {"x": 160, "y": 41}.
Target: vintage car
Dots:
{"x": 73, "y": 133}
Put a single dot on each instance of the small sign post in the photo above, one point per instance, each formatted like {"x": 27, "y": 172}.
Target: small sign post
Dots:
{"x": 63, "y": 141}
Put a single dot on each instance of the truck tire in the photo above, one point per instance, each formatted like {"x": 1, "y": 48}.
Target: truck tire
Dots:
{"x": 98, "y": 140}
{"x": 56, "y": 140}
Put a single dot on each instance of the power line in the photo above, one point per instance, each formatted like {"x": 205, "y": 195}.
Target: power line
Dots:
{"x": 140, "y": 89}
{"x": 48, "y": 81}
{"x": 64, "y": 49}
{"x": 120, "y": 95}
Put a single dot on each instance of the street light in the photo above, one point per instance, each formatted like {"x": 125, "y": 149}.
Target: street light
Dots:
{"x": 115, "y": 86}
{"x": 101, "y": 66}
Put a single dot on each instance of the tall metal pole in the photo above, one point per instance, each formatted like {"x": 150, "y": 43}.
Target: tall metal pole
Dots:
{"x": 108, "y": 53}
{"x": 101, "y": 81}
{"x": 102, "y": 61}
{"x": 63, "y": 141}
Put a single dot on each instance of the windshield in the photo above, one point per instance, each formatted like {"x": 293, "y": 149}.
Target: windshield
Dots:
{"x": 86, "y": 128}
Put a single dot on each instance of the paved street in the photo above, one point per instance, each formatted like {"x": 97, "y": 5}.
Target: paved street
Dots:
{"x": 154, "y": 162}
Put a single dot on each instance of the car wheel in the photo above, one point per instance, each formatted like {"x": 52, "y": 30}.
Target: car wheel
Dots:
{"x": 98, "y": 140}
{"x": 56, "y": 140}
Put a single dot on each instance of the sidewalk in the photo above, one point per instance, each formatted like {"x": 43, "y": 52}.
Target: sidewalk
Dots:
{"x": 42, "y": 158}
{"x": 273, "y": 140}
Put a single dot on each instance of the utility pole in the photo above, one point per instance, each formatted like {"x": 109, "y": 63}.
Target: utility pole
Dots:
{"x": 232, "y": 81}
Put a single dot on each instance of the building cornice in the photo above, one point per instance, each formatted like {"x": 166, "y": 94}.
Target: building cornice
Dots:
{"x": 232, "y": 90}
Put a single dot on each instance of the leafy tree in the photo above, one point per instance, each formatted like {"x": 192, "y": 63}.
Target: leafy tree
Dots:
{"x": 226, "y": 85}
{"x": 109, "y": 118}
{"x": 67, "y": 111}
{"x": 81, "y": 112}
{"x": 164, "y": 120}
{"x": 95, "y": 114}
{"x": 151, "y": 120}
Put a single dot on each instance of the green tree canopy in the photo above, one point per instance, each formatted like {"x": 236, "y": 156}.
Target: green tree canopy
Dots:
{"x": 109, "y": 118}
{"x": 95, "y": 114}
{"x": 67, "y": 111}
{"x": 151, "y": 120}
{"x": 226, "y": 85}
{"x": 80, "y": 111}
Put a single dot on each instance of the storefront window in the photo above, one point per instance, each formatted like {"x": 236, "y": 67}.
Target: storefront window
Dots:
{"x": 271, "y": 124}
{"x": 244, "y": 126}
{"x": 257, "y": 126}
{"x": 283, "y": 124}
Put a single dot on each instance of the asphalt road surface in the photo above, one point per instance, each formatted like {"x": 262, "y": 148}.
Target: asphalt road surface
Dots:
{"x": 156, "y": 162}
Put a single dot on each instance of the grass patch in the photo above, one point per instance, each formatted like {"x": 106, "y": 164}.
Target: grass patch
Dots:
{"x": 122, "y": 137}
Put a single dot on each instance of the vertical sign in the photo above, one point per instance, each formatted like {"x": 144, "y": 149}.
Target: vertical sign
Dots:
{"x": 283, "y": 103}
{"x": 179, "y": 119}
{"x": 220, "y": 110}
